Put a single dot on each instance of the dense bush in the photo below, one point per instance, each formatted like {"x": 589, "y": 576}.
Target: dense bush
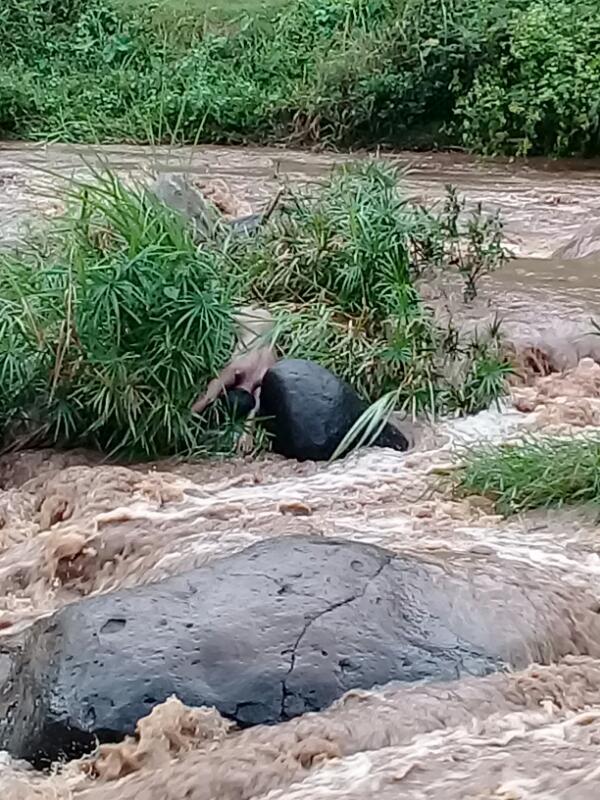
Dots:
{"x": 109, "y": 326}
{"x": 112, "y": 323}
{"x": 351, "y": 260}
{"x": 494, "y": 75}
{"x": 543, "y": 93}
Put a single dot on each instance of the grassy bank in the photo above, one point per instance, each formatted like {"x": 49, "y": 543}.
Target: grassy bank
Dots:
{"x": 515, "y": 76}
{"x": 537, "y": 474}
{"x": 112, "y": 322}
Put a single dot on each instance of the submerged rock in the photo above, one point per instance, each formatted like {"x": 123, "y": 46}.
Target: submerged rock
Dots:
{"x": 308, "y": 411}
{"x": 585, "y": 243}
{"x": 248, "y": 224}
{"x": 284, "y": 627}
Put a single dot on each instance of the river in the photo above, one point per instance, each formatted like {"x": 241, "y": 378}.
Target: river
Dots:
{"x": 72, "y": 526}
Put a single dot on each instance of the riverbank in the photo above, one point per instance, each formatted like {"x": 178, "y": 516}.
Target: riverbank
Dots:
{"x": 515, "y": 77}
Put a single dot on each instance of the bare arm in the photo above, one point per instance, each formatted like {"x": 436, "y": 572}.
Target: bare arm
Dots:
{"x": 224, "y": 381}
{"x": 244, "y": 372}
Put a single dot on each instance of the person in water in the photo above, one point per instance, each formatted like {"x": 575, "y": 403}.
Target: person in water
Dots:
{"x": 244, "y": 372}
{"x": 243, "y": 375}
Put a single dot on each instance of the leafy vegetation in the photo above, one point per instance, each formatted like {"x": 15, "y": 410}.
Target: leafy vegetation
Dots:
{"x": 111, "y": 323}
{"x": 108, "y": 327}
{"x": 351, "y": 260}
{"x": 515, "y": 76}
{"x": 537, "y": 473}
{"x": 542, "y": 93}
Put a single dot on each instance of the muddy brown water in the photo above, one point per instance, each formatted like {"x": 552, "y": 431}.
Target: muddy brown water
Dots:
{"x": 72, "y": 526}
{"x": 543, "y": 300}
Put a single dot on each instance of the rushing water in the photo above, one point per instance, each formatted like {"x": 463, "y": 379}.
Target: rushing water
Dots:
{"x": 70, "y": 526}
{"x": 542, "y": 299}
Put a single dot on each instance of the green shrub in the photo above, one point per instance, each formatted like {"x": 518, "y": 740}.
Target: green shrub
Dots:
{"x": 107, "y": 332}
{"x": 351, "y": 260}
{"x": 114, "y": 321}
{"x": 496, "y": 75}
{"x": 541, "y": 96}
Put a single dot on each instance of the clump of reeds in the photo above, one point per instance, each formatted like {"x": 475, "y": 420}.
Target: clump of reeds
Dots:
{"x": 536, "y": 473}
{"x": 351, "y": 260}
{"x": 112, "y": 323}
{"x": 108, "y": 328}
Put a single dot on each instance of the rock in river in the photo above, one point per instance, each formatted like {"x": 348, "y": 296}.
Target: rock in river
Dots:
{"x": 585, "y": 243}
{"x": 284, "y": 627}
{"x": 308, "y": 411}
{"x": 178, "y": 192}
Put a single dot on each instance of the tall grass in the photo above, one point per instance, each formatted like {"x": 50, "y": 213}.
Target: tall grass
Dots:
{"x": 493, "y": 75}
{"x": 542, "y": 472}
{"x": 351, "y": 260}
{"x": 107, "y": 331}
{"x": 367, "y": 428}
{"x": 112, "y": 322}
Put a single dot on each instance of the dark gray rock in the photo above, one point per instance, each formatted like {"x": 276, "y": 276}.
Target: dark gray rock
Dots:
{"x": 308, "y": 411}
{"x": 284, "y": 627}
{"x": 239, "y": 402}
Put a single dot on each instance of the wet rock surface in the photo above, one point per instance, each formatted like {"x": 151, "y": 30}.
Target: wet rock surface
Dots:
{"x": 311, "y": 618}
{"x": 239, "y": 402}
{"x": 279, "y": 629}
{"x": 308, "y": 411}
{"x": 177, "y": 191}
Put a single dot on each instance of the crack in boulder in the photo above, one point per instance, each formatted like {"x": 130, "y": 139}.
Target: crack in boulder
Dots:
{"x": 356, "y": 596}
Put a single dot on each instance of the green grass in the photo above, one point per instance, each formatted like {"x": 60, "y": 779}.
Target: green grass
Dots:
{"x": 225, "y": 8}
{"x": 350, "y": 260}
{"x": 214, "y": 11}
{"x": 109, "y": 326}
{"x": 538, "y": 473}
{"x": 514, "y": 76}
{"x": 113, "y": 321}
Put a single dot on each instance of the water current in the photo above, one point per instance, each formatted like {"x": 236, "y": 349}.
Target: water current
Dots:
{"x": 71, "y": 525}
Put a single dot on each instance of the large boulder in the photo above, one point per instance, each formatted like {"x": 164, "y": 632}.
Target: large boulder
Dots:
{"x": 239, "y": 402}
{"x": 308, "y": 411}
{"x": 284, "y": 627}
